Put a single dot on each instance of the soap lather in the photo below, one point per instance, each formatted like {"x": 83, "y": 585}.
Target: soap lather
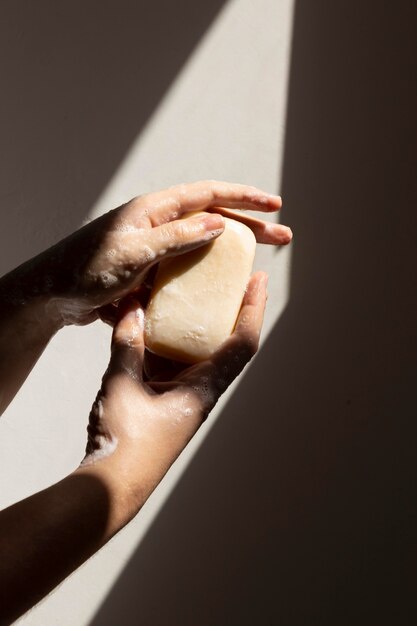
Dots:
{"x": 196, "y": 297}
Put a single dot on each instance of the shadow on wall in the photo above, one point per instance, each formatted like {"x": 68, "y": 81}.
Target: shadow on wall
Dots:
{"x": 79, "y": 81}
{"x": 299, "y": 509}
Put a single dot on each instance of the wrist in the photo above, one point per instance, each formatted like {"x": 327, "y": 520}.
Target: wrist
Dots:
{"x": 123, "y": 499}
{"x": 25, "y": 331}
{"x": 130, "y": 477}
{"x": 30, "y": 309}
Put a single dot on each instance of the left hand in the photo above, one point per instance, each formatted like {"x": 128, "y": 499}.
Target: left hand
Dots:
{"x": 109, "y": 257}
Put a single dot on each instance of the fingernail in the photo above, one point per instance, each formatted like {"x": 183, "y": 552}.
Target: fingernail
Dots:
{"x": 213, "y": 221}
{"x": 273, "y": 196}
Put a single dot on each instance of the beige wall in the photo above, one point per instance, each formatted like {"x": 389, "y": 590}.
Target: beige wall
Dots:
{"x": 118, "y": 127}
{"x": 294, "y": 505}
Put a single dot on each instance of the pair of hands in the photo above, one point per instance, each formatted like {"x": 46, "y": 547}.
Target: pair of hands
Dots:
{"x": 139, "y": 423}
{"x": 138, "y": 428}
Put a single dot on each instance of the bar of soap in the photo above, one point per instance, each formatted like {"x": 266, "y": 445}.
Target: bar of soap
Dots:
{"x": 196, "y": 297}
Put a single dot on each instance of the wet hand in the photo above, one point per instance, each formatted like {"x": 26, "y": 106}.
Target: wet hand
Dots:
{"x": 137, "y": 428}
{"x": 109, "y": 257}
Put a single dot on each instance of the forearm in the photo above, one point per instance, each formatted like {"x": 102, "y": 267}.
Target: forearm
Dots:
{"x": 47, "y": 536}
{"x": 25, "y": 330}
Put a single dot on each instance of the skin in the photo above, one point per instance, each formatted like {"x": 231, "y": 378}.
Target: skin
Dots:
{"x": 65, "y": 285}
{"x": 139, "y": 423}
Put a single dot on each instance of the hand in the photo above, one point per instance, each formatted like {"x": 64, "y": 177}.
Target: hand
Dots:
{"x": 136, "y": 431}
{"x": 138, "y": 428}
{"x": 109, "y": 257}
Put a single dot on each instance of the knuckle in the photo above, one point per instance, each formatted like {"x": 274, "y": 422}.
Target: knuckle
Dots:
{"x": 169, "y": 232}
{"x": 182, "y": 191}
{"x": 252, "y": 196}
{"x": 207, "y": 190}
{"x": 216, "y": 190}
{"x": 163, "y": 232}
{"x": 135, "y": 201}
{"x": 179, "y": 230}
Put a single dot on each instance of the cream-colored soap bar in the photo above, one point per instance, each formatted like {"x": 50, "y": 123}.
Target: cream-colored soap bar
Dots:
{"x": 197, "y": 296}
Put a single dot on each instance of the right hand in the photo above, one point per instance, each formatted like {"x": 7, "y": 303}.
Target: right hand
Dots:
{"x": 137, "y": 428}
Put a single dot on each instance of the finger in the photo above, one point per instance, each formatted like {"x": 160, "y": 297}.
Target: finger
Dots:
{"x": 174, "y": 202}
{"x": 243, "y": 344}
{"x": 183, "y": 235}
{"x": 127, "y": 349}
{"x": 250, "y": 319}
{"x": 210, "y": 378}
{"x": 265, "y": 232}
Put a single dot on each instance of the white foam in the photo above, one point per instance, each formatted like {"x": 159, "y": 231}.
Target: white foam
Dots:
{"x": 108, "y": 279}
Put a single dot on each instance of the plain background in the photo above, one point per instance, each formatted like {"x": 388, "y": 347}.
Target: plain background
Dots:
{"x": 296, "y": 504}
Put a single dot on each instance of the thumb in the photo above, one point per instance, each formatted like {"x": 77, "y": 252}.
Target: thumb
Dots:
{"x": 127, "y": 347}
